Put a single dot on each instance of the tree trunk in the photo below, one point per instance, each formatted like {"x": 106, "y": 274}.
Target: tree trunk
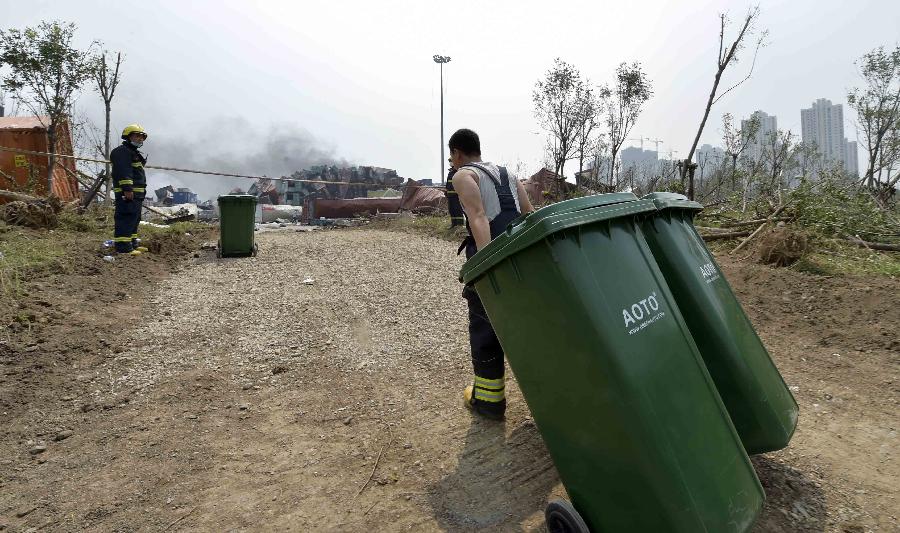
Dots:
{"x": 51, "y": 147}
{"x": 106, "y": 152}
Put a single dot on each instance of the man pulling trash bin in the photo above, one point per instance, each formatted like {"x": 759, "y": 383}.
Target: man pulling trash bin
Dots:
{"x": 491, "y": 198}
{"x": 129, "y": 186}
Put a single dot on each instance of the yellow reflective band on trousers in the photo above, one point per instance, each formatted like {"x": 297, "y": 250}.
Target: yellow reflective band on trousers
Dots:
{"x": 481, "y": 394}
{"x": 489, "y": 390}
{"x": 139, "y": 189}
{"x": 450, "y": 192}
{"x": 122, "y": 239}
{"x": 492, "y": 384}
{"x": 134, "y": 235}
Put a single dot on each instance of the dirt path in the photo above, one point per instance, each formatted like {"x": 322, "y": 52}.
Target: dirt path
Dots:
{"x": 236, "y": 397}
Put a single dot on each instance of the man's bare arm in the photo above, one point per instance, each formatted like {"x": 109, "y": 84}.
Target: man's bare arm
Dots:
{"x": 524, "y": 202}
{"x": 466, "y": 186}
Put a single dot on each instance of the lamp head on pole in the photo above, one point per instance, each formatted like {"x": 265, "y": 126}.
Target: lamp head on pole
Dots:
{"x": 441, "y": 59}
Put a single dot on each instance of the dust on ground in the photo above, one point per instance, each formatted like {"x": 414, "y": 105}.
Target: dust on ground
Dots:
{"x": 230, "y": 394}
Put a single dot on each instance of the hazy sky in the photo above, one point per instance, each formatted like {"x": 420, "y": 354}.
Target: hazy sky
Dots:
{"x": 266, "y": 86}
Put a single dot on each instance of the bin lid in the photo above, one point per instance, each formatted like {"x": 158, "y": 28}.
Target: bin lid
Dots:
{"x": 671, "y": 200}
{"x": 575, "y": 204}
{"x": 236, "y": 198}
{"x": 532, "y": 229}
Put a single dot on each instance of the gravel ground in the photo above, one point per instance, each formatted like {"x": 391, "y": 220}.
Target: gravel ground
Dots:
{"x": 242, "y": 398}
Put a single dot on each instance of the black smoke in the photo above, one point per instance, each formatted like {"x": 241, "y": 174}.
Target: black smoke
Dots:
{"x": 234, "y": 145}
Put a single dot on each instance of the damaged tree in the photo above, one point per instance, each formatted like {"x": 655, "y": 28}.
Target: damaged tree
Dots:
{"x": 877, "y": 108}
{"x": 106, "y": 77}
{"x": 728, "y": 54}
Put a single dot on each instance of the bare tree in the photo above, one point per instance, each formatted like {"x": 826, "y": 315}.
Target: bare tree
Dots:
{"x": 877, "y": 107}
{"x": 728, "y": 54}
{"x": 106, "y": 76}
{"x": 630, "y": 92}
{"x": 46, "y": 73}
{"x": 777, "y": 154}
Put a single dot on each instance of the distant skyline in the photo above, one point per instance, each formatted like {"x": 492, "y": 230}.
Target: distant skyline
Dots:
{"x": 265, "y": 87}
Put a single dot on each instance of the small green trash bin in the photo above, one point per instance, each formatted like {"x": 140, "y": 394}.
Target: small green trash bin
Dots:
{"x": 614, "y": 381}
{"x": 237, "y": 217}
{"x": 762, "y": 408}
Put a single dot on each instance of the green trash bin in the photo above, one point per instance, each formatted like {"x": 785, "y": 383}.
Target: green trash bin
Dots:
{"x": 762, "y": 408}
{"x": 614, "y": 381}
{"x": 237, "y": 217}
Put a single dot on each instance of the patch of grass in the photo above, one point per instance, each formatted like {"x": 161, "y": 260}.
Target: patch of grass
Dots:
{"x": 838, "y": 259}
{"x": 438, "y": 227}
{"x": 25, "y": 253}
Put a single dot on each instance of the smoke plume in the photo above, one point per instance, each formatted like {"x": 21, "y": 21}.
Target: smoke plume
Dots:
{"x": 234, "y": 145}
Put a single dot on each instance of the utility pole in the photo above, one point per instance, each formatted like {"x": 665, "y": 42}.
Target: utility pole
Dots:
{"x": 440, "y": 60}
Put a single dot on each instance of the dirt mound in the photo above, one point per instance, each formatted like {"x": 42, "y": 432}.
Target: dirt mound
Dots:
{"x": 783, "y": 247}
{"x": 171, "y": 243}
{"x": 39, "y": 214}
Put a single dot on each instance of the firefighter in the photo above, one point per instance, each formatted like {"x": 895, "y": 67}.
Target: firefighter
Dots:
{"x": 130, "y": 188}
{"x": 453, "y": 205}
{"x": 491, "y": 198}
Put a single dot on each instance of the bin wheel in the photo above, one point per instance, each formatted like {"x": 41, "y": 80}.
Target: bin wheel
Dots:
{"x": 561, "y": 517}
{"x": 255, "y": 249}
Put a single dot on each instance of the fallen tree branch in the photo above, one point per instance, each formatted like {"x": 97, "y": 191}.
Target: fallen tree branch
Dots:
{"x": 17, "y": 196}
{"x": 740, "y": 223}
{"x": 713, "y": 229}
{"x": 759, "y": 230}
{"x": 752, "y": 236}
{"x": 882, "y": 246}
{"x": 729, "y": 235}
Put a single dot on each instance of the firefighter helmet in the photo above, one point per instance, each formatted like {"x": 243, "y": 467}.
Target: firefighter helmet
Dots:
{"x": 133, "y": 128}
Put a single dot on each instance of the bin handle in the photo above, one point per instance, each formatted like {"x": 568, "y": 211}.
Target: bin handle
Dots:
{"x": 519, "y": 220}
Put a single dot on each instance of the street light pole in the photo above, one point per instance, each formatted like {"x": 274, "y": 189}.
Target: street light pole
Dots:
{"x": 439, "y": 59}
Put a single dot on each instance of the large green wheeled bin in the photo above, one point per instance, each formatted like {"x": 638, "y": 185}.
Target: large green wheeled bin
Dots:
{"x": 762, "y": 408}
{"x": 614, "y": 381}
{"x": 237, "y": 223}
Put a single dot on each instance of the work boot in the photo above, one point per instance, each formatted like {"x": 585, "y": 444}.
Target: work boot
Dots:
{"x": 492, "y": 410}
{"x": 134, "y": 252}
{"x": 142, "y": 249}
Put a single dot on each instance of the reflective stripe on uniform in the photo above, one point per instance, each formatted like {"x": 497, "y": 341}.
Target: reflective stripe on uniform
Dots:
{"x": 139, "y": 189}
{"x": 137, "y": 164}
{"x": 134, "y": 236}
{"x": 481, "y": 394}
{"x": 117, "y": 189}
{"x": 489, "y": 384}
{"x": 121, "y": 239}
{"x": 451, "y": 192}
{"x": 126, "y": 182}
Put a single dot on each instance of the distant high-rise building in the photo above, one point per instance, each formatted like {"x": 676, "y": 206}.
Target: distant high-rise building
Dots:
{"x": 709, "y": 154}
{"x": 637, "y": 157}
{"x": 822, "y": 125}
{"x": 768, "y": 126}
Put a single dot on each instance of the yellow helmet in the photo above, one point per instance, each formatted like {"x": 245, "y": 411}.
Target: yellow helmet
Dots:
{"x": 133, "y": 128}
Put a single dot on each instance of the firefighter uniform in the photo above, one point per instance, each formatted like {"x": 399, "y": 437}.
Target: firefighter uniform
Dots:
{"x": 128, "y": 176}
{"x": 487, "y": 394}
